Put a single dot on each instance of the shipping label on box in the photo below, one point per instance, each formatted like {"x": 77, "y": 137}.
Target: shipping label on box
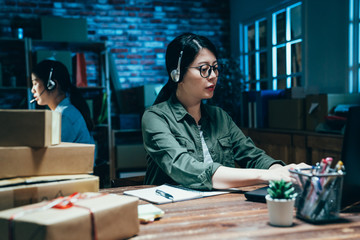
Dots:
{"x": 34, "y": 128}
{"x": 80, "y": 216}
{"x": 19, "y": 192}
{"x": 64, "y": 158}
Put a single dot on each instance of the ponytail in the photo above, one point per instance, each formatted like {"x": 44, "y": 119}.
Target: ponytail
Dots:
{"x": 79, "y": 102}
{"x": 166, "y": 92}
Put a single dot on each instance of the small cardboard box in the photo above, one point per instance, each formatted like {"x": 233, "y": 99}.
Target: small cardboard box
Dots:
{"x": 287, "y": 114}
{"x": 34, "y": 128}
{"x": 64, "y": 158}
{"x": 22, "y": 191}
{"x": 91, "y": 216}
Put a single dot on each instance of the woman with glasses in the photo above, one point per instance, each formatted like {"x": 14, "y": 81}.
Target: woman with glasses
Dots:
{"x": 195, "y": 144}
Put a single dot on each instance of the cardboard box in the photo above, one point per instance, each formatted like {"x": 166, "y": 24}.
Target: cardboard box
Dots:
{"x": 34, "y": 128}
{"x": 114, "y": 217}
{"x": 19, "y": 192}
{"x": 54, "y": 28}
{"x": 287, "y": 114}
{"x": 64, "y": 158}
{"x": 318, "y": 106}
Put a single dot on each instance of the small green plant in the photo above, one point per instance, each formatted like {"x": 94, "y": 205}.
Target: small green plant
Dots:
{"x": 281, "y": 190}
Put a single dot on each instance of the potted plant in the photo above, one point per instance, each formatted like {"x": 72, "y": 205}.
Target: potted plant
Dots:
{"x": 280, "y": 201}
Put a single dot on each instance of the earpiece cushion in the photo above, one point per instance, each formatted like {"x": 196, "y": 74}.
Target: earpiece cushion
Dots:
{"x": 175, "y": 76}
{"x": 51, "y": 85}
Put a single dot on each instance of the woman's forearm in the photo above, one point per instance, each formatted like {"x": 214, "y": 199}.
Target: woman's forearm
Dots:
{"x": 226, "y": 177}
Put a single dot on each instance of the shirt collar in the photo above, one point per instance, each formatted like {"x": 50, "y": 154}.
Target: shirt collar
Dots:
{"x": 65, "y": 102}
{"x": 177, "y": 108}
{"x": 180, "y": 112}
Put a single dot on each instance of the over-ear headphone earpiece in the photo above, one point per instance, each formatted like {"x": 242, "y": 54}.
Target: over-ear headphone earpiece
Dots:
{"x": 175, "y": 74}
{"x": 50, "y": 84}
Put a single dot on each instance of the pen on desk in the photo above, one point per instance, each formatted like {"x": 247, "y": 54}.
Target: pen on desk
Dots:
{"x": 164, "y": 194}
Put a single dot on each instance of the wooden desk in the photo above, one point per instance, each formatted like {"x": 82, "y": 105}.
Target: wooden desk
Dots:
{"x": 231, "y": 216}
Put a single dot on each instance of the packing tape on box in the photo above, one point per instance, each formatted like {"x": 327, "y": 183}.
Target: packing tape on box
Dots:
{"x": 58, "y": 203}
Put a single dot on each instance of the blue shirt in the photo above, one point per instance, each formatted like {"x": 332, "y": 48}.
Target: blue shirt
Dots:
{"x": 73, "y": 125}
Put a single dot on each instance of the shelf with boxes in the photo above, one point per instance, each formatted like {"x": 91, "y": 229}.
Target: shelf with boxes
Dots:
{"x": 128, "y": 153}
{"x": 87, "y": 63}
{"x": 293, "y": 109}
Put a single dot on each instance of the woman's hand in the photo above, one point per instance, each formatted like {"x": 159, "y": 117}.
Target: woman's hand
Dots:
{"x": 278, "y": 172}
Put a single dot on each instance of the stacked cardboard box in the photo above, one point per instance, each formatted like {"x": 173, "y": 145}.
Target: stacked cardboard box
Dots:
{"x": 30, "y": 145}
{"x": 37, "y": 166}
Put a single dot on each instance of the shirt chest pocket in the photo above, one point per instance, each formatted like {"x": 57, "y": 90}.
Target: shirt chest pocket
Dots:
{"x": 226, "y": 152}
{"x": 185, "y": 143}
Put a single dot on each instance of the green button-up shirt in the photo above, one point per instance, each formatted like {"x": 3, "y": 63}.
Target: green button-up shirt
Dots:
{"x": 175, "y": 155}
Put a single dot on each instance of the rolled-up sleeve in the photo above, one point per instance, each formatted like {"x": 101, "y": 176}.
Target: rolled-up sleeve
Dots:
{"x": 175, "y": 154}
{"x": 247, "y": 155}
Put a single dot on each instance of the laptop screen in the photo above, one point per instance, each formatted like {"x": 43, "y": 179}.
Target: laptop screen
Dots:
{"x": 351, "y": 158}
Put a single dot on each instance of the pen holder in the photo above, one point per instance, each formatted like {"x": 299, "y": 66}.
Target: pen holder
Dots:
{"x": 319, "y": 195}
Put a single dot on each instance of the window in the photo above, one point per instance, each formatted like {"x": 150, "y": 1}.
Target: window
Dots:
{"x": 286, "y": 47}
{"x": 273, "y": 59}
{"x": 354, "y": 47}
{"x": 256, "y": 51}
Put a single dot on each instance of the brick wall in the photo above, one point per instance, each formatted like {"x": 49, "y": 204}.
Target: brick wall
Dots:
{"x": 137, "y": 31}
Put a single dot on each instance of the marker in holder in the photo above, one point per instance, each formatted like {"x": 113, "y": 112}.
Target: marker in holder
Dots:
{"x": 319, "y": 194}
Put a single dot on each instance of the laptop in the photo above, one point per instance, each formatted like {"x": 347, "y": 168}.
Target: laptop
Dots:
{"x": 350, "y": 156}
{"x": 257, "y": 195}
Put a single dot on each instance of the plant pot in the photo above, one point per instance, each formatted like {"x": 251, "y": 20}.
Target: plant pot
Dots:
{"x": 281, "y": 211}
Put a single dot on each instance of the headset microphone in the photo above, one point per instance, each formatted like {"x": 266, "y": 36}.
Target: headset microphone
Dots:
{"x": 33, "y": 100}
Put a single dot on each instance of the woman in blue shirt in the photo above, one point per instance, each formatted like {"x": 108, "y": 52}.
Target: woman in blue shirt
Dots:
{"x": 52, "y": 87}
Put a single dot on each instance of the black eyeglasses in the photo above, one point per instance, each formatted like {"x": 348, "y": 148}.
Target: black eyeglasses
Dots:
{"x": 205, "y": 70}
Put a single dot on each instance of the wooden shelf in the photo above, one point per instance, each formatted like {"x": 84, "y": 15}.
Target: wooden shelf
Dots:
{"x": 297, "y": 146}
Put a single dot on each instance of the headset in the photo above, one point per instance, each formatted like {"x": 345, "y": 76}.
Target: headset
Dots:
{"x": 175, "y": 74}
{"x": 50, "y": 84}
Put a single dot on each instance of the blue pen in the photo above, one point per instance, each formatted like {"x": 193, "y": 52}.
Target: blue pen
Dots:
{"x": 164, "y": 194}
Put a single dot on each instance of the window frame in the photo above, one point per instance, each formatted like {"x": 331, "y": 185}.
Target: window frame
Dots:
{"x": 271, "y": 78}
{"x": 354, "y": 47}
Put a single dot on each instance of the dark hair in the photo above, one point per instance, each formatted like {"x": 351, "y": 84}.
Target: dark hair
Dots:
{"x": 61, "y": 75}
{"x": 190, "y": 44}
